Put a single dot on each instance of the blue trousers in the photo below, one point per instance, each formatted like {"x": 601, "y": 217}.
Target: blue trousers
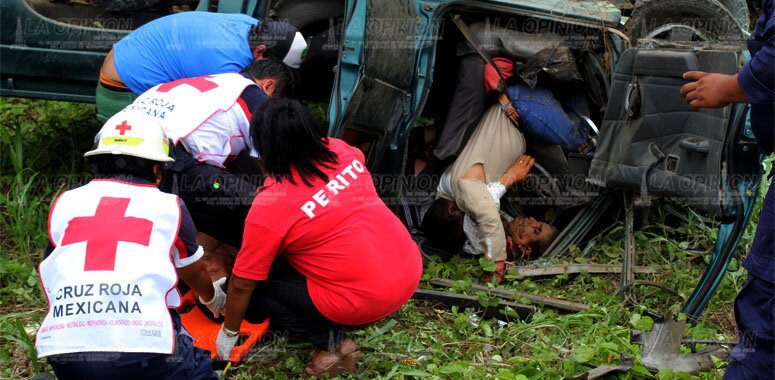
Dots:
{"x": 187, "y": 362}
{"x": 754, "y": 356}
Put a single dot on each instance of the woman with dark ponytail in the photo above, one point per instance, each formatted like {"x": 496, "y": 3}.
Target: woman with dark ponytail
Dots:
{"x": 291, "y": 138}
{"x": 321, "y": 250}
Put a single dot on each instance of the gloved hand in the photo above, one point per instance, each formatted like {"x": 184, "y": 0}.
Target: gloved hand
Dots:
{"x": 218, "y": 302}
{"x": 225, "y": 343}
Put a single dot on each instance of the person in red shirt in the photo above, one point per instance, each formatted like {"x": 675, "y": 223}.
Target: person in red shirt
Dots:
{"x": 320, "y": 249}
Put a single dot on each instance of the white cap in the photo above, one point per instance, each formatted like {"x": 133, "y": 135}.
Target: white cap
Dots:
{"x": 133, "y": 133}
{"x": 295, "y": 54}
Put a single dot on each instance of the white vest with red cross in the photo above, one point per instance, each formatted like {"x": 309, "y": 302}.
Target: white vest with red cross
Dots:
{"x": 204, "y": 112}
{"x": 110, "y": 278}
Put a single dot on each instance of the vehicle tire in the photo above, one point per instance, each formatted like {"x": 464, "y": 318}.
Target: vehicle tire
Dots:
{"x": 707, "y": 20}
{"x": 739, "y": 10}
{"x": 123, "y": 5}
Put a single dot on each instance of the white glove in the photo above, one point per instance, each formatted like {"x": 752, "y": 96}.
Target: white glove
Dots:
{"x": 218, "y": 302}
{"x": 225, "y": 343}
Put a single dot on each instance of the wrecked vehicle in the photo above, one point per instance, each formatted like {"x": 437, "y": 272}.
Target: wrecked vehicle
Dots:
{"x": 392, "y": 62}
{"x": 649, "y": 142}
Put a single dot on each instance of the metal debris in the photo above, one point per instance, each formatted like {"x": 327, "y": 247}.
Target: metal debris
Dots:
{"x": 463, "y": 301}
{"x": 553, "y": 270}
{"x": 512, "y": 295}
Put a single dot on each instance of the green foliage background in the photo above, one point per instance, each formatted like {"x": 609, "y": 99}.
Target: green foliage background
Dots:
{"x": 41, "y": 155}
{"x": 41, "y": 146}
{"x": 38, "y": 158}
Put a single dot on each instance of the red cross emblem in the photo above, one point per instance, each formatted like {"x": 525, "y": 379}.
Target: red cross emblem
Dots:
{"x": 123, "y": 127}
{"x": 199, "y": 83}
{"x": 104, "y": 230}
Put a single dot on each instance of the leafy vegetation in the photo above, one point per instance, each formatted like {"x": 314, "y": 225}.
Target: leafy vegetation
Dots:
{"x": 38, "y": 158}
{"x": 40, "y": 155}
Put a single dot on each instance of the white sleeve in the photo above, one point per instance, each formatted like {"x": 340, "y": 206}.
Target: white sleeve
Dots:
{"x": 182, "y": 263}
{"x": 496, "y": 190}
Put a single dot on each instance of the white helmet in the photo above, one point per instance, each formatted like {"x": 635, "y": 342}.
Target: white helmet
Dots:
{"x": 133, "y": 133}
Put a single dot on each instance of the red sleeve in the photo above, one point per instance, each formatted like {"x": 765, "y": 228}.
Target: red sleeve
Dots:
{"x": 260, "y": 246}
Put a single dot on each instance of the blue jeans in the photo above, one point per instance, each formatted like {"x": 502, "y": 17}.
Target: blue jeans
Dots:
{"x": 543, "y": 118}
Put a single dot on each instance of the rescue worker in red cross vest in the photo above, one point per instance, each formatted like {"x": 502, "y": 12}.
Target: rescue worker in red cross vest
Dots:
{"x": 215, "y": 172}
{"x": 117, "y": 247}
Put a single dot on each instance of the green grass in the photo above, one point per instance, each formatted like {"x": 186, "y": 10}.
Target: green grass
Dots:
{"x": 40, "y": 155}
{"x": 38, "y": 158}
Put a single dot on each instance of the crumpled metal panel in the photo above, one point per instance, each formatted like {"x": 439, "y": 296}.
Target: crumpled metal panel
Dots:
{"x": 596, "y": 11}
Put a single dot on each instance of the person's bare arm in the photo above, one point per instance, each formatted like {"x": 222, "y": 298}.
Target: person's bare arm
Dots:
{"x": 518, "y": 171}
{"x": 709, "y": 90}
{"x": 240, "y": 290}
{"x": 195, "y": 275}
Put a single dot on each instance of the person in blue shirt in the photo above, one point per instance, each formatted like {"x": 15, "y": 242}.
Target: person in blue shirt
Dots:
{"x": 190, "y": 44}
{"x": 754, "y": 356}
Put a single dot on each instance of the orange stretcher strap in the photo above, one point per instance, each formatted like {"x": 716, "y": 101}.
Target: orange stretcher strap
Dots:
{"x": 205, "y": 331}
{"x": 111, "y": 82}
{"x": 509, "y": 109}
